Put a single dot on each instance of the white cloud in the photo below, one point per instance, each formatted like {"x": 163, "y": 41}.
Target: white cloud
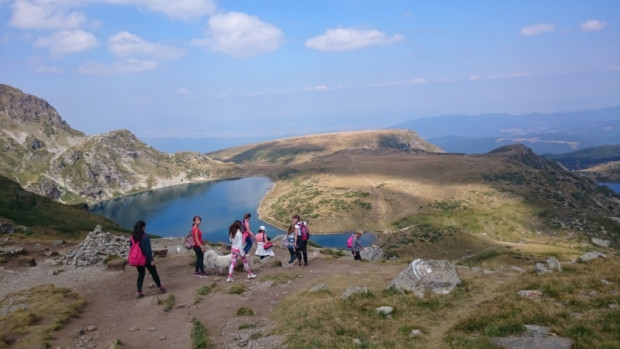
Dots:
{"x": 321, "y": 88}
{"x": 181, "y": 91}
{"x": 120, "y": 67}
{"x": 536, "y": 29}
{"x": 342, "y": 39}
{"x": 125, "y": 44}
{"x": 67, "y": 41}
{"x": 240, "y": 35}
{"x": 592, "y": 25}
{"x": 417, "y": 81}
{"x": 177, "y": 9}
{"x": 45, "y": 14}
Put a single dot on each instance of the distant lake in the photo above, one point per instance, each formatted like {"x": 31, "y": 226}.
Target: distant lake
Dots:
{"x": 613, "y": 186}
{"x": 168, "y": 212}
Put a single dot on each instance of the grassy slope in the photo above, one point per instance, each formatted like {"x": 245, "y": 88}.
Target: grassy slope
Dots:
{"x": 46, "y": 218}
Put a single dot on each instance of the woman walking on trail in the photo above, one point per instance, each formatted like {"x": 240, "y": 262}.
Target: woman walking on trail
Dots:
{"x": 140, "y": 237}
{"x": 236, "y": 250}
{"x": 199, "y": 248}
{"x": 301, "y": 246}
{"x": 261, "y": 240}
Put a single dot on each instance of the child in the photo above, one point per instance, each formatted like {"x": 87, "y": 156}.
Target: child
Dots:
{"x": 236, "y": 250}
{"x": 140, "y": 237}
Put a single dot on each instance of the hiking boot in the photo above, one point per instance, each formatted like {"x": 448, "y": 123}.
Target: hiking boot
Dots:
{"x": 162, "y": 290}
{"x": 139, "y": 295}
{"x": 196, "y": 274}
{"x": 202, "y": 275}
{"x": 229, "y": 279}
{"x": 252, "y": 276}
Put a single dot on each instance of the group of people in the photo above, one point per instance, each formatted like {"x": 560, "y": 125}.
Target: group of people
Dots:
{"x": 241, "y": 240}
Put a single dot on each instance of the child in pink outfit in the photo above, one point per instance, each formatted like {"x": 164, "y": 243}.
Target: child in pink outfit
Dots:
{"x": 236, "y": 250}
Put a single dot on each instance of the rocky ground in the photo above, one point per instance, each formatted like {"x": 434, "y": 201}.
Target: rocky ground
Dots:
{"x": 113, "y": 313}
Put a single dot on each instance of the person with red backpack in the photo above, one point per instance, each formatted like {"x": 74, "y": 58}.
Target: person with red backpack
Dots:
{"x": 302, "y": 235}
{"x": 139, "y": 237}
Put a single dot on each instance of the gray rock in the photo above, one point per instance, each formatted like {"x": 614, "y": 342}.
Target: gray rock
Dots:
{"x": 541, "y": 268}
{"x": 385, "y": 310}
{"x": 531, "y": 294}
{"x": 554, "y": 264}
{"x": 437, "y": 276}
{"x": 351, "y": 290}
{"x": 590, "y": 256}
{"x": 372, "y": 253}
{"x": 601, "y": 242}
{"x": 415, "y": 333}
{"x": 533, "y": 342}
{"x": 318, "y": 288}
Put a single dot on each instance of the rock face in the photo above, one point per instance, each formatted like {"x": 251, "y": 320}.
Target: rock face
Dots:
{"x": 47, "y": 157}
{"x": 437, "y": 276}
{"x": 97, "y": 246}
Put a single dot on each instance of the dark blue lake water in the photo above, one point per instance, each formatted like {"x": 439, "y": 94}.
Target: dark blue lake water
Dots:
{"x": 168, "y": 212}
{"x": 613, "y": 186}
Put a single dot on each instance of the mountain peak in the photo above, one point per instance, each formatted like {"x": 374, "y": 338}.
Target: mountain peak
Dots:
{"x": 525, "y": 155}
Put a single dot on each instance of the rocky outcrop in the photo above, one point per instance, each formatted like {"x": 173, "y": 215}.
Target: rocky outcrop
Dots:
{"x": 96, "y": 247}
{"x": 372, "y": 253}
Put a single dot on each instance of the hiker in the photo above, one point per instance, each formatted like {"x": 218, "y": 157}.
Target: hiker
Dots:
{"x": 199, "y": 248}
{"x": 289, "y": 242}
{"x": 236, "y": 250}
{"x": 248, "y": 236}
{"x": 261, "y": 240}
{"x": 356, "y": 247}
{"x": 140, "y": 237}
{"x": 301, "y": 246}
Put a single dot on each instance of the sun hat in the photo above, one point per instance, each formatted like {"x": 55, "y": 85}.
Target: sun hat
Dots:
{"x": 262, "y": 227}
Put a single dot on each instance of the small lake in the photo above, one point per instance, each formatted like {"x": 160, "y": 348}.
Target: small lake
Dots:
{"x": 613, "y": 186}
{"x": 168, "y": 212}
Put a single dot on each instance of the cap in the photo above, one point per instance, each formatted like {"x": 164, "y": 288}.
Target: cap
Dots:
{"x": 262, "y": 227}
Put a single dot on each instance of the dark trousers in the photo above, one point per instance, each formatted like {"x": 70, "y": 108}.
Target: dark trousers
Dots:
{"x": 293, "y": 255}
{"x": 141, "y": 272}
{"x": 302, "y": 249}
{"x": 356, "y": 256}
{"x": 200, "y": 262}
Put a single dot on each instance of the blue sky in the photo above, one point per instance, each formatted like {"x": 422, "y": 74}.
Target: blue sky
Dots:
{"x": 272, "y": 68}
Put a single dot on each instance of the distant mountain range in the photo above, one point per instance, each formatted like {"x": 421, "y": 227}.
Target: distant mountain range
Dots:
{"x": 553, "y": 133}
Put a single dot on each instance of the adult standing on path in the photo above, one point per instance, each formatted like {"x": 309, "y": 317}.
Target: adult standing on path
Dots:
{"x": 139, "y": 236}
{"x": 261, "y": 240}
{"x": 199, "y": 248}
{"x": 301, "y": 245}
{"x": 236, "y": 250}
{"x": 357, "y": 247}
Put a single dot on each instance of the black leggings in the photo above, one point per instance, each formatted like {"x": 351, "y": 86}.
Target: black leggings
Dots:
{"x": 141, "y": 273}
{"x": 200, "y": 263}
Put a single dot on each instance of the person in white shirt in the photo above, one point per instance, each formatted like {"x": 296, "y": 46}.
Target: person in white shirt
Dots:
{"x": 236, "y": 250}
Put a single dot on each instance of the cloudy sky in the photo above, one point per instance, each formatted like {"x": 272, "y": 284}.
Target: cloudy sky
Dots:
{"x": 231, "y": 68}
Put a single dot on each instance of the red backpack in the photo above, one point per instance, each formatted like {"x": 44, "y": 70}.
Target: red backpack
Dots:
{"x": 136, "y": 256}
{"x": 305, "y": 231}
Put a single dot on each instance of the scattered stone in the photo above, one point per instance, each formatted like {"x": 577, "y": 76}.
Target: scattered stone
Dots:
{"x": 357, "y": 341}
{"x": 613, "y": 306}
{"x": 533, "y": 342}
{"x": 437, "y": 276}
{"x": 163, "y": 338}
{"x": 535, "y": 330}
{"x": 78, "y": 333}
{"x": 385, "y": 310}
{"x": 488, "y": 272}
{"x": 590, "y": 256}
{"x": 601, "y": 242}
{"x": 415, "y": 333}
{"x": 152, "y": 329}
{"x": 605, "y": 282}
{"x": 91, "y": 328}
{"x": 58, "y": 243}
{"x": 351, "y": 290}
{"x": 531, "y": 294}
{"x": 134, "y": 329}
{"x": 518, "y": 269}
{"x": 554, "y": 264}
{"x": 541, "y": 268}
{"x": 318, "y": 288}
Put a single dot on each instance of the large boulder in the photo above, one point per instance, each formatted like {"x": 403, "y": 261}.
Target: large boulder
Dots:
{"x": 437, "y": 276}
{"x": 372, "y": 253}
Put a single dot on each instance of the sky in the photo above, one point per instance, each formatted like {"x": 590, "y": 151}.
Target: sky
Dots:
{"x": 273, "y": 68}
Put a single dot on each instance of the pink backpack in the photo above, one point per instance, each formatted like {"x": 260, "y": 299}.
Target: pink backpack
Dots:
{"x": 136, "y": 256}
{"x": 350, "y": 242}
